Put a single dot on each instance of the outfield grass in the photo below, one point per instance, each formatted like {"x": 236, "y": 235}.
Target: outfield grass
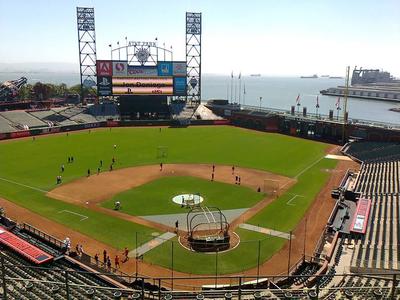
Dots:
{"x": 243, "y": 257}
{"x": 155, "y": 197}
{"x": 37, "y": 163}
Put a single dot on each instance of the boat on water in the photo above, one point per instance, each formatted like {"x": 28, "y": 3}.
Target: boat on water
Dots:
{"x": 325, "y": 76}
{"x": 255, "y": 75}
{"x": 336, "y": 77}
{"x": 313, "y": 76}
{"x": 368, "y": 84}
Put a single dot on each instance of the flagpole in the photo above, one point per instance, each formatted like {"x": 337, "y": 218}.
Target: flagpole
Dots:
{"x": 119, "y": 51}
{"x": 126, "y": 47}
{"x": 244, "y": 93}
{"x": 235, "y": 90}
{"x": 240, "y": 85}
{"x": 232, "y": 87}
{"x": 227, "y": 91}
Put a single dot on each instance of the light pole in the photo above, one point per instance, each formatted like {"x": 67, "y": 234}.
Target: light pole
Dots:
{"x": 110, "y": 45}
{"x": 260, "y": 102}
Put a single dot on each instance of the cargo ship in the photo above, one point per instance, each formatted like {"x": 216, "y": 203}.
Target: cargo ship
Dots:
{"x": 313, "y": 76}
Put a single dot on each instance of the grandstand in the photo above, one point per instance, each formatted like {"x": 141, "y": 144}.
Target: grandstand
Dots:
{"x": 378, "y": 249}
{"x": 5, "y": 125}
{"x": 22, "y": 120}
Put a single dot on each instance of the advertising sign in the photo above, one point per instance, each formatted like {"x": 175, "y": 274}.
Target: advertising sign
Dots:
{"x": 180, "y": 86}
{"x": 120, "y": 68}
{"x": 142, "y": 85}
{"x": 179, "y": 68}
{"x": 164, "y": 68}
{"x": 166, "y": 90}
{"x": 104, "y": 86}
{"x": 104, "y": 68}
{"x": 137, "y": 71}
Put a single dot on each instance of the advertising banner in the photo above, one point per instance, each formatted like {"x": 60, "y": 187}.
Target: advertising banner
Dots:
{"x": 138, "y": 71}
{"x": 120, "y": 68}
{"x": 164, "y": 68}
{"x": 180, "y": 86}
{"x": 104, "y": 68}
{"x": 104, "y": 87}
{"x": 122, "y": 90}
{"x": 142, "y": 81}
{"x": 179, "y": 68}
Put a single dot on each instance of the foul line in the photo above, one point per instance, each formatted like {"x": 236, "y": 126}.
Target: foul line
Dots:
{"x": 309, "y": 167}
{"x": 24, "y": 185}
{"x": 74, "y": 213}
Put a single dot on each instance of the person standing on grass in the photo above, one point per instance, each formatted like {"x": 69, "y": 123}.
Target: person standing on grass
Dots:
{"x": 233, "y": 170}
{"x": 98, "y": 170}
{"x": 161, "y": 166}
{"x": 101, "y": 162}
{"x": 212, "y": 176}
{"x": 62, "y": 168}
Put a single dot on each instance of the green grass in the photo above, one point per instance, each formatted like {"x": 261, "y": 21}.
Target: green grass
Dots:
{"x": 113, "y": 231}
{"x": 245, "y": 256}
{"x": 37, "y": 163}
{"x": 155, "y": 197}
{"x": 285, "y": 212}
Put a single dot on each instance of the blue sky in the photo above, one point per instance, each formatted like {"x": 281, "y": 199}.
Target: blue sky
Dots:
{"x": 273, "y": 37}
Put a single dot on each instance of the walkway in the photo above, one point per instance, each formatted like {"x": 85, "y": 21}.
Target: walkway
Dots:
{"x": 268, "y": 231}
{"x": 151, "y": 244}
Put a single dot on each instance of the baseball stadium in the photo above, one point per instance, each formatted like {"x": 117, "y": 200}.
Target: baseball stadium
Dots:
{"x": 150, "y": 193}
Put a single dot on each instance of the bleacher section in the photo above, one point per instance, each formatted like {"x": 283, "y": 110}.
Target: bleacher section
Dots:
{"x": 372, "y": 151}
{"x": 5, "y": 125}
{"x": 22, "y": 120}
{"x": 378, "y": 248}
{"x": 25, "y": 281}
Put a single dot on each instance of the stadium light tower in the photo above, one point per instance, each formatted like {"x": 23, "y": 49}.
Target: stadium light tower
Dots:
{"x": 87, "y": 47}
{"x": 193, "y": 56}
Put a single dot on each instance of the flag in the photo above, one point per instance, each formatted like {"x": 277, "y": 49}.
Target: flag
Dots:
{"x": 317, "y": 105}
{"x": 118, "y": 43}
{"x": 109, "y": 45}
{"x": 298, "y": 99}
{"x": 240, "y": 75}
{"x": 338, "y": 103}
{"x": 232, "y": 74}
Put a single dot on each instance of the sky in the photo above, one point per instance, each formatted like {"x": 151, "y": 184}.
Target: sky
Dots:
{"x": 271, "y": 37}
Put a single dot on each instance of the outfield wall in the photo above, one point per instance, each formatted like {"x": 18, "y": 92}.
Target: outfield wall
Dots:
{"x": 106, "y": 124}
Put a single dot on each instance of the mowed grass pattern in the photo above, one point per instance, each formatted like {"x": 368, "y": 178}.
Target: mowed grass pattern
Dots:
{"x": 37, "y": 163}
{"x": 155, "y": 198}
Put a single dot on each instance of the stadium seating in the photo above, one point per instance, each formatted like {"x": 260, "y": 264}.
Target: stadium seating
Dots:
{"x": 373, "y": 151}
{"x": 5, "y": 125}
{"x": 22, "y": 119}
{"x": 378, "y": 248}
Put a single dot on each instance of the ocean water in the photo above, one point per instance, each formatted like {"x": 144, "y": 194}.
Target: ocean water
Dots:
{"x": 276, "y": 92}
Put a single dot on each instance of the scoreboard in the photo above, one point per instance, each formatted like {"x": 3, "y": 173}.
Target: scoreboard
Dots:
{"x": 117, "y": 78}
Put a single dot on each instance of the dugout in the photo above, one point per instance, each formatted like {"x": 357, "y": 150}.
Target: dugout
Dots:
{"x": 133, "y": 107}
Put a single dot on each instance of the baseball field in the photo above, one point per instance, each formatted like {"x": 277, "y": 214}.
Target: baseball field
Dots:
{"x": 85, "y": 203}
